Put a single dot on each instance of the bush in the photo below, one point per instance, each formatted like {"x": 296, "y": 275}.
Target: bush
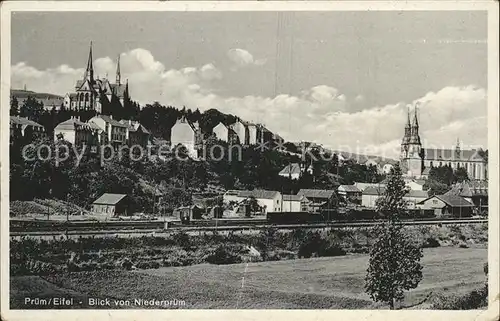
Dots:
{"x": 223, "y": 255}
{"x": 474, "y": 300}
{"x": 431, "y": 242}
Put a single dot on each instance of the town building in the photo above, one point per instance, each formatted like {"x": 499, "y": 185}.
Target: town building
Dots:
{"x": 447, "y": 205}
{"x": 136, "y": 135}
{"x": 294, "y": 203}
{"x": 90, "y": 90}
{"x": 475, "y": 192}
{"x": 77, "y": 133}
{"x": 295, "y": 171}
{"x": 21, "y": 127}
{"x": 372, "y": 194}
{"x": 111, "y": 130}
{"x": 350, "y": 193}
{"x": 241, "y": 131}
{"x": 318, "y": 199}
{"x": 253, "y": 133}
{"x": 363, "y": 186}
{"x": 222, "y": 132}
{"x": 111, "y": 205}
{"x": 269, "y": 201}
{"x": 416, "y": 160}
{"x": 187, "y": 134}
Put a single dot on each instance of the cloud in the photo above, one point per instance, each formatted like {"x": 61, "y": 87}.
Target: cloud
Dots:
{"x": 320, "y": 114}
{"x": 242, "y": 58}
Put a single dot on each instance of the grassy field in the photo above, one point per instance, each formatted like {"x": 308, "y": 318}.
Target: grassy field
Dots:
{"x": 320, "y": 283}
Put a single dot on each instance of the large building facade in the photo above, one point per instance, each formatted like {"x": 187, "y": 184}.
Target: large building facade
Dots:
{"x": 416, "y": 161}
{"x": 90, "y": 90}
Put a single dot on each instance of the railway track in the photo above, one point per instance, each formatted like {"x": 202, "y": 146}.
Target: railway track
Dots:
{"x": 111, "y": 229}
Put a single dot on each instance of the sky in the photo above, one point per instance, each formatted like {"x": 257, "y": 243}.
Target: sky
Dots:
{"x": 341, "y": 79}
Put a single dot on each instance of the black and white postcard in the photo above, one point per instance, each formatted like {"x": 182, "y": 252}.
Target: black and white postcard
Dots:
{"x": 256, "y": 159}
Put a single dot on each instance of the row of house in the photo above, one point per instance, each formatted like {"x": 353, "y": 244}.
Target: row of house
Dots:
{"x": 21, "y": 127}
{"x": 102, "y": 130}
{"x": 306, "y": 200}
{"x": 190, "y": 135}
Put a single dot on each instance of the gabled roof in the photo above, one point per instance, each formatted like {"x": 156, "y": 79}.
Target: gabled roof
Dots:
{"x": 451, "y": 200}
{"x": 109, "y": 199}
{"x": 469, "y": 189}
{"x": 24, "y": 121}
{"x": 113, "y": 122}
{"x": 452, "y": 154}
{"x": 72, "y": 124}
{"x": 296, "y": 198}
{"x": 289, "y": 169}
{"x": 417, "y": 194}
{"x": 364, "y": 186}
{"x": 316, "y": 193}
{"x": 258, "y": 194}
{"x": 374, "y": 190}
{"x": 350, "y": 188}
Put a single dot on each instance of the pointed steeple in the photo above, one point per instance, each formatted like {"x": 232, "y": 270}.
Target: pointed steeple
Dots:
{"x": 408, "y": 125}
{"x": 89, "y": 72}
{"x": 118, "y": 74}
{"x": 415, "y": 118}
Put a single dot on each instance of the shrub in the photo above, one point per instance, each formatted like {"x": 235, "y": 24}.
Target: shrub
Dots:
{"x": 223, "y": 255}
{"x": 431, "y": 242}
{"x": 473, "y": 300}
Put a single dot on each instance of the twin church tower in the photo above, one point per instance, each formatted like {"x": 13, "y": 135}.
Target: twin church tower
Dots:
{"x": 411, "y": 147}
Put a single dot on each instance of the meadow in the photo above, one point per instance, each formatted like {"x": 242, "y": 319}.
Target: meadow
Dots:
{"x": 313, "y": 283}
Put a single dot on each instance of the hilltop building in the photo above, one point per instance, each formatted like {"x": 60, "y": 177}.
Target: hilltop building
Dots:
{"x": 187, "y": 134}
{"x": 90, "y": 90}
{"x": 77, "y": 133}
{"x": 25, "y": 128}
{"x": 417, "y": 161}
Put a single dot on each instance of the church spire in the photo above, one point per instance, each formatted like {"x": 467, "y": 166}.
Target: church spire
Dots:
{"x": 89, "y": 72}
{"x": 408, "y": 125}
{"x": 118, "y": 74}
{"x": 415, "y": 118}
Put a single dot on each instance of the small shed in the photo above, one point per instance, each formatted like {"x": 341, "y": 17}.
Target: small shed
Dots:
{"x": 188, "y": 213}
{"x": 111, "y": 204}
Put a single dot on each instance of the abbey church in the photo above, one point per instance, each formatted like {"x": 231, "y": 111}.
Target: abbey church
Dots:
{"x": 416, "y": 161}
{"x": 90, "y": 91}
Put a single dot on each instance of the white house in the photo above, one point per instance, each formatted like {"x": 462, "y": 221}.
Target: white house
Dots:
{"x": 372, "y": 194}
{"x": 294, "y": 171}
{"x": 253, "y": 133}
{"x": 270, "y": 201}
{"x": 294, "y": 203}
{"x": 112, "y": 131}
{"x": 221, "y": 131}
{"x": 187, "y": 134}
{"x": 77, "y": 133}
{"x": 241, "y": 131}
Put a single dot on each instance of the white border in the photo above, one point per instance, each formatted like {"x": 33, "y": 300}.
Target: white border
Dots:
{"x": 493, "y": 141}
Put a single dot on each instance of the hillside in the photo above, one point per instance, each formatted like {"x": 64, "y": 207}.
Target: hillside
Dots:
{"x": 21, "y": 94}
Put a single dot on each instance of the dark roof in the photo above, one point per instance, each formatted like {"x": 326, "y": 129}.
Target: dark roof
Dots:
{"x": 258, "y": 194}
{"x": 452, "y": 155}
{"x": 350, "y": 188}
{"x": 452, "y": 200}
{"x": 109, "y": 199}
{"x": 24, "y": 121}
{"x": 113, "y": 122}
{"x": 372, "y": 190}
{"x": 293, "y": 197}
{"x": 316, "y": 193}
{"x": 417, "y": 194}
{"x": 469, "y": 189}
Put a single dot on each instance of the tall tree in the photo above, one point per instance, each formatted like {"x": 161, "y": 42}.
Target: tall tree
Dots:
{"x": 394, "y": 264}
{"x": 14, "y": 106}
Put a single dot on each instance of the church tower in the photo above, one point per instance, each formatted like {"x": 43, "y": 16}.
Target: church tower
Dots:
{"x": 89, "y": 72}
{"x": 118, "y": 74}
{"x": 411, "y": 147}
